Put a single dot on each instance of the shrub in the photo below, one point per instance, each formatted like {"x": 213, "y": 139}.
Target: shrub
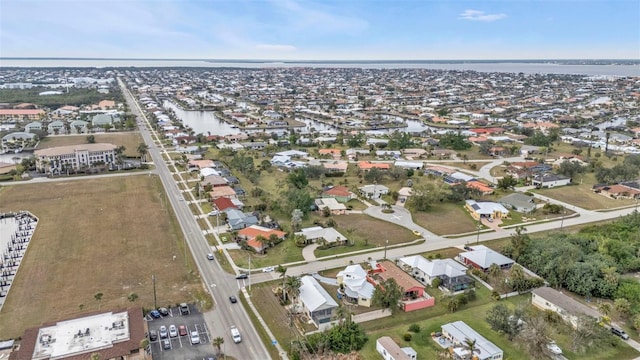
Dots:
{"x": 470, "y": 294}
{"x": 407, "y": 337}
{"x": 415, "y": 328}
{"x": 495, "y": 295}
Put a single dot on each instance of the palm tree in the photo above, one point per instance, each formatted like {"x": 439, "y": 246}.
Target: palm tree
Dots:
{"x": 470, "y": 345}
{"x": 262, "y": 241}
{"x": 133, "y": 297}
{"x": 292, "y": 286}
{"x": 494, "y": 270}
{"x": 217, "y": 342}
{"x": 98, "y": 296}
{"x": 343, "y": 313}
{"x": 142, "y": 150}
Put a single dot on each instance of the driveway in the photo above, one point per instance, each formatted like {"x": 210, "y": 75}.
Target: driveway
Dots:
{"x": 400, "y": 216}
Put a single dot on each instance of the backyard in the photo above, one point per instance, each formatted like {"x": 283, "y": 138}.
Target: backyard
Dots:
{"x": 95, "y": 236}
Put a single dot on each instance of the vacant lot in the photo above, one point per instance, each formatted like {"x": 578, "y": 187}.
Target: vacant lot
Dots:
{"x": 130, "y": 140}
{"x": 445, "y": 219}
{"x": 581, "y": 195}
{"x": 96, "y": 236}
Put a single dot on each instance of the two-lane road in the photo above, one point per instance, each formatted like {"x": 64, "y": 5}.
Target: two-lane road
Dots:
{"x": 217, "y": 282}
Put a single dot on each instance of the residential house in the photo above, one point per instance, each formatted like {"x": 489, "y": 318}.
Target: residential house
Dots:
{"x": 340, "y": 193}
{"x": 382, "y": 154}
{"x": 414, "y": 296}
{"x": 250, "y": 233}
{"x": 416, "y": 165}
{"x": 16, "y": 141}
{"x": 316, "y": 302}
{"x": 457, "y": 332}
{"x": 206, "y": 172}
{"x": 373, "y": 191}
{"x": 22, "y": 114}
{"x": 546, "y": 298}
{"x": 237, "y": 220}
{"x": 254, "y": 145}
{"x": 200, "y": 164}
{"x": 414, "y": 153}
{"x": 627, "y": 190}
{"x": 335, "y": 208}
{"x": 549, "y": 180}
{"x": 518, "y": 202}
{"x": 222, "y": 191}
{"x": 481, "y": 257}
{"x": 452, "y": 274}
{"x": 486, "y": 210}
{"x": 483, "y": 188}
{"x": 104, "y": 120}
{"x": 223, "y": 203}
{"x": 335, "y": 166}
{"x": 56, "y": 127}
{"x": 33, "y": 126}
{"x": 334, "y": 153}
{"x": 319, "y": 234}
{"x": 213, "y": 181}
{"x": 355, "y": 285}
{"x": 438, "y": 171}
{"x": 389, "y": 350}
{"x": 79, "y": 127}
{"x": 367, "y": 165}
{"x": 293, "y": 154}
{"x": 457, "y": 177}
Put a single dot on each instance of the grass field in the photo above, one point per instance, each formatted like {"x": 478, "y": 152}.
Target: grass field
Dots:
{"x": 130, "y": 140}
{"x": 581, "y": 195}
{"x": 445, "y": 218}
{"x": 104, "y": 235}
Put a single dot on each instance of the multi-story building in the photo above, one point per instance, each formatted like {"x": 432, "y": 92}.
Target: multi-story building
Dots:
{"x": 74, "y": 157}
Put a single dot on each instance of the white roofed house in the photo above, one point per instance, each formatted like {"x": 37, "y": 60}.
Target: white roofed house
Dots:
{"x": 546, "y": 298}
{"x": 457, "y": 332}
{"x": 355, "y": 285}
{"x": 389, "y": 350}
{"x": 335, "y": 207}
{"x": 452, "y": 274}
{"x": 486, "y": 210}
{"x": 482, "y": 257}
{"x": 320, "y": 234}
{"x": 316, "y": 302}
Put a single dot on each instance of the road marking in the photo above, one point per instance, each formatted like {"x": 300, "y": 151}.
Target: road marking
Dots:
{"x": 396, "y": 217}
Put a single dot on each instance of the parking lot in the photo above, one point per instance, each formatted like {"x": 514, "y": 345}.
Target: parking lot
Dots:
{"x": 180, "y": 347}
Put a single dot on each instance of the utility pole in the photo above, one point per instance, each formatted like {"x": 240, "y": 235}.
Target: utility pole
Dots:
{"x": 386, "y": 242}
{"x": 249, "y": 274}
{"x": 479, "y": 226}
{"x": 564, "y": 210}
{"x": 155, "y": 299}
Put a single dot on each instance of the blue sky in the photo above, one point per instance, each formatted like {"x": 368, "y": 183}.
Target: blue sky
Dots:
{"x": 321, "y": 30}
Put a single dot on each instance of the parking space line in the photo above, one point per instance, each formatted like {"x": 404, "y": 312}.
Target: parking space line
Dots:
{"x": 206, "y": 331}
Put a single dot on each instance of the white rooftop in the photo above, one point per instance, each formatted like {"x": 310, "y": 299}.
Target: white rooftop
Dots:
{"x": 82, "y": 335}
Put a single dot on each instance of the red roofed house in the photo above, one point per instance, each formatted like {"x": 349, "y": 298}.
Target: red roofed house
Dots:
{"x": 224, "y": 203}
{"x": 367, "y": 165}
{"x": 252, "y": 232}
{"x": 414, "y": 297}
{"x": 340, "y": 193}
{"x": 483, "y": 188}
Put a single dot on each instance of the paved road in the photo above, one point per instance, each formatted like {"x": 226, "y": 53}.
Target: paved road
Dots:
{"x": 40, "y": 180}
{"x": 216, "y": 281}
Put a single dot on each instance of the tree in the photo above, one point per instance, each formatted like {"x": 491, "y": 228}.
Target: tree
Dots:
{"x": 98, "y": 296}
{"x": 119, "y": 151}
{"x": 454, "y": 304}
{"x": 507, "y": 182}
{"x": 91, "y": 139}
{"x": 518, "y": 242}
{"x": 374, "y": 175}
{"x": 622, "y": 306}
{"x": 217, "y": 342}
{"x": 298, "y": 199}
{"x": 262, "y": 241}
{"x": 635, "y": 322}
{"x": 586, "y": 333}
{"x": 142, "y": 151}
{"x": 132, "y": 297}
{"x": 503, "y": 320}
{"x": 535, "y": 337}
{"x": 292, "y": 287}
{"x": 343, "y": 313}
{"x": 454, "y": 141}
{"x": 424, "y": 196}
{"x": 298, "y": 179}
{"x": 388, "y": 295}
{"x": 470, "y": 345}
{"x": 296, "y": 218}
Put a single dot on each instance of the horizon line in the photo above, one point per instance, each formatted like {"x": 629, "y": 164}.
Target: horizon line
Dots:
{"x": 308, "y": 60}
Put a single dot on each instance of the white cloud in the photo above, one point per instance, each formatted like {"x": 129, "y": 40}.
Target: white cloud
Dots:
{"x": 275, "y": 47}
{"x": 477, "y": 15}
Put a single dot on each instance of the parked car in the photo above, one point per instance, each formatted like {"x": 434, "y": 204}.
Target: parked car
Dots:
{"x": 163, "y": 311}
{"x": 166, "y": 344}
{"x": 155, "y": 314}
{"x": 417, "y": 233}
{"x": 214, "y": 213}
{"x": 233, "y": 299}
{"x": 182, "y": 330}
{"x": 173, "y": 331}
{"x": 554, "y": 348}
{"x": 210, "y": 256}
{"x": 153, "y": 335}
{"x": 619, "y": 332}
{"x": 163, "y": 332}
{"x": 268, "y": 269}
{"x": 184, "y": 309}
{"x": 195, "y": 337}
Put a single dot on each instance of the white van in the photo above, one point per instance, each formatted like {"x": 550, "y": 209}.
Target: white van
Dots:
{"x": 235, "y": 334}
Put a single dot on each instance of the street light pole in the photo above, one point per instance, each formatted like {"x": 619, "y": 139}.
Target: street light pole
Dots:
{"x": 155, "y": 299}
{"x": 564, "y": 210}
{"x": 386, "y": 242}
{"x": 479, "y": 226}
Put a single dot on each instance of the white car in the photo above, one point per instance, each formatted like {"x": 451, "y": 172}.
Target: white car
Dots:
{"x": 554, "y": 348}
{"x": 195, "y": 337}
{"x": 173, "y": 331}
{"x": 214, "y": 213}
{"x": 268, "y": 269}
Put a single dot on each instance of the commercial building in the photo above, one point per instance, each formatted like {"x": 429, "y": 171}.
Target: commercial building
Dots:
{"x": 76, "y": 157}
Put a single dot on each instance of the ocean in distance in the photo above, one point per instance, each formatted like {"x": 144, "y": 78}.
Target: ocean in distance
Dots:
{"x": 520, "y": 66}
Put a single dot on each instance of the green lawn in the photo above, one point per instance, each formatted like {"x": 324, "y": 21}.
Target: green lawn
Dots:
{"x": 285, "y": 252}
{"x": 445, "y": 218}
{"x": 581, "y": 195}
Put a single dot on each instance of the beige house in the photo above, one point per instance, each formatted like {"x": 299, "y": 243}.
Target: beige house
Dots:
{"x": 546, "y": 298}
